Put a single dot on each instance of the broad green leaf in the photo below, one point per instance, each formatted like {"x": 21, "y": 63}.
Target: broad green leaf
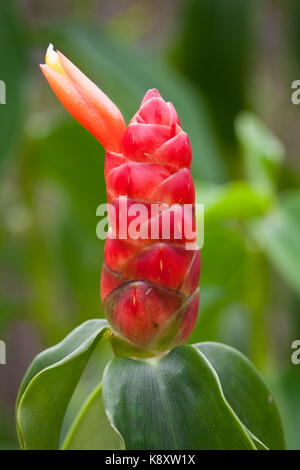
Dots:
{"x": 91, "y": 429}
{"x": 173, "y": 402}
{"x": 278, "y": 234}
{"x": 246, "y": 393}
{"x": 125, "y": 75}
{"x": 262, "y": 152}
{"x": 49, "y": 384}
{"x": 236, "y": 200}
{"x": 12, "y": 76}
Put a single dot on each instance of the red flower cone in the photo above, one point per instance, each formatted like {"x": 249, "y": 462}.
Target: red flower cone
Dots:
{"x": 149, "y": 283}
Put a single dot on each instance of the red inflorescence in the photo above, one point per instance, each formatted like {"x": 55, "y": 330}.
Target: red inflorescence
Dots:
{"x": 149, "y": 287}
{"x": 149, "y": 284}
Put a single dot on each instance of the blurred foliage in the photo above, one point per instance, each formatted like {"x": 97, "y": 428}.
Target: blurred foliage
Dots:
{"x": 125, "y": 75}
{"x": 221, "y": 33}
{"x": 13, "y": 63}
{"x": 52, "y": 180}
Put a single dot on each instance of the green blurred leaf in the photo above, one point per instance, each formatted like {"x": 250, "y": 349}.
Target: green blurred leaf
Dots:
{"x": 236, "y": 200}
{"x": 278, "y": 234}
{"x": 213, "y": 49}
{"x": 224, "y": 258}
{"x": 225, "y": 322}
{"x": 125, "y": 74}
{"x": 49, "y": 384}
{"x": 175, "y": 402}
{"x": 65, "y": 170}
{"x": 91, "y": 429}
{"x": 12, "y": 75}
{"x": 73, "y": 158}
{"x": 211, "y": 299}
{"x": 246, "y": 393}
{"x": 262, "y": 152}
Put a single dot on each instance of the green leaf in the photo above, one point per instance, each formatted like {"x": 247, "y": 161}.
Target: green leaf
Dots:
{"x": 217, "y": 259}
{"x": 49, "y": 384}
{"x": 262, "y": 152}
{"x": 278, "y": 234}
{"x": 125, "y": 75}
{"x": 91, "y": 429}
{"x": 12, "y": 76}
{"x": 237, "y": 200}
{"x": 246, "y": 393}
{"x": 173, "y": 402}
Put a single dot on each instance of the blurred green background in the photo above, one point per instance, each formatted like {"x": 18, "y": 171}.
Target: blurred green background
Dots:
{"x": 228, "y": 66}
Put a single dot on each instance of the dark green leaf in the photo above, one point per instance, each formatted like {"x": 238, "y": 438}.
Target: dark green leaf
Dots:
{"x": 173, "y": 402}
{"x": 246, "y": 393}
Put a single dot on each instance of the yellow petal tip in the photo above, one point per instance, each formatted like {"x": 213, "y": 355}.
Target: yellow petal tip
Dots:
{"x": 52, "y": 60}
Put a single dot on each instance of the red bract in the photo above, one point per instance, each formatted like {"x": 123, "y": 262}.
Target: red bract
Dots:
{"x": 149, "y": 285}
